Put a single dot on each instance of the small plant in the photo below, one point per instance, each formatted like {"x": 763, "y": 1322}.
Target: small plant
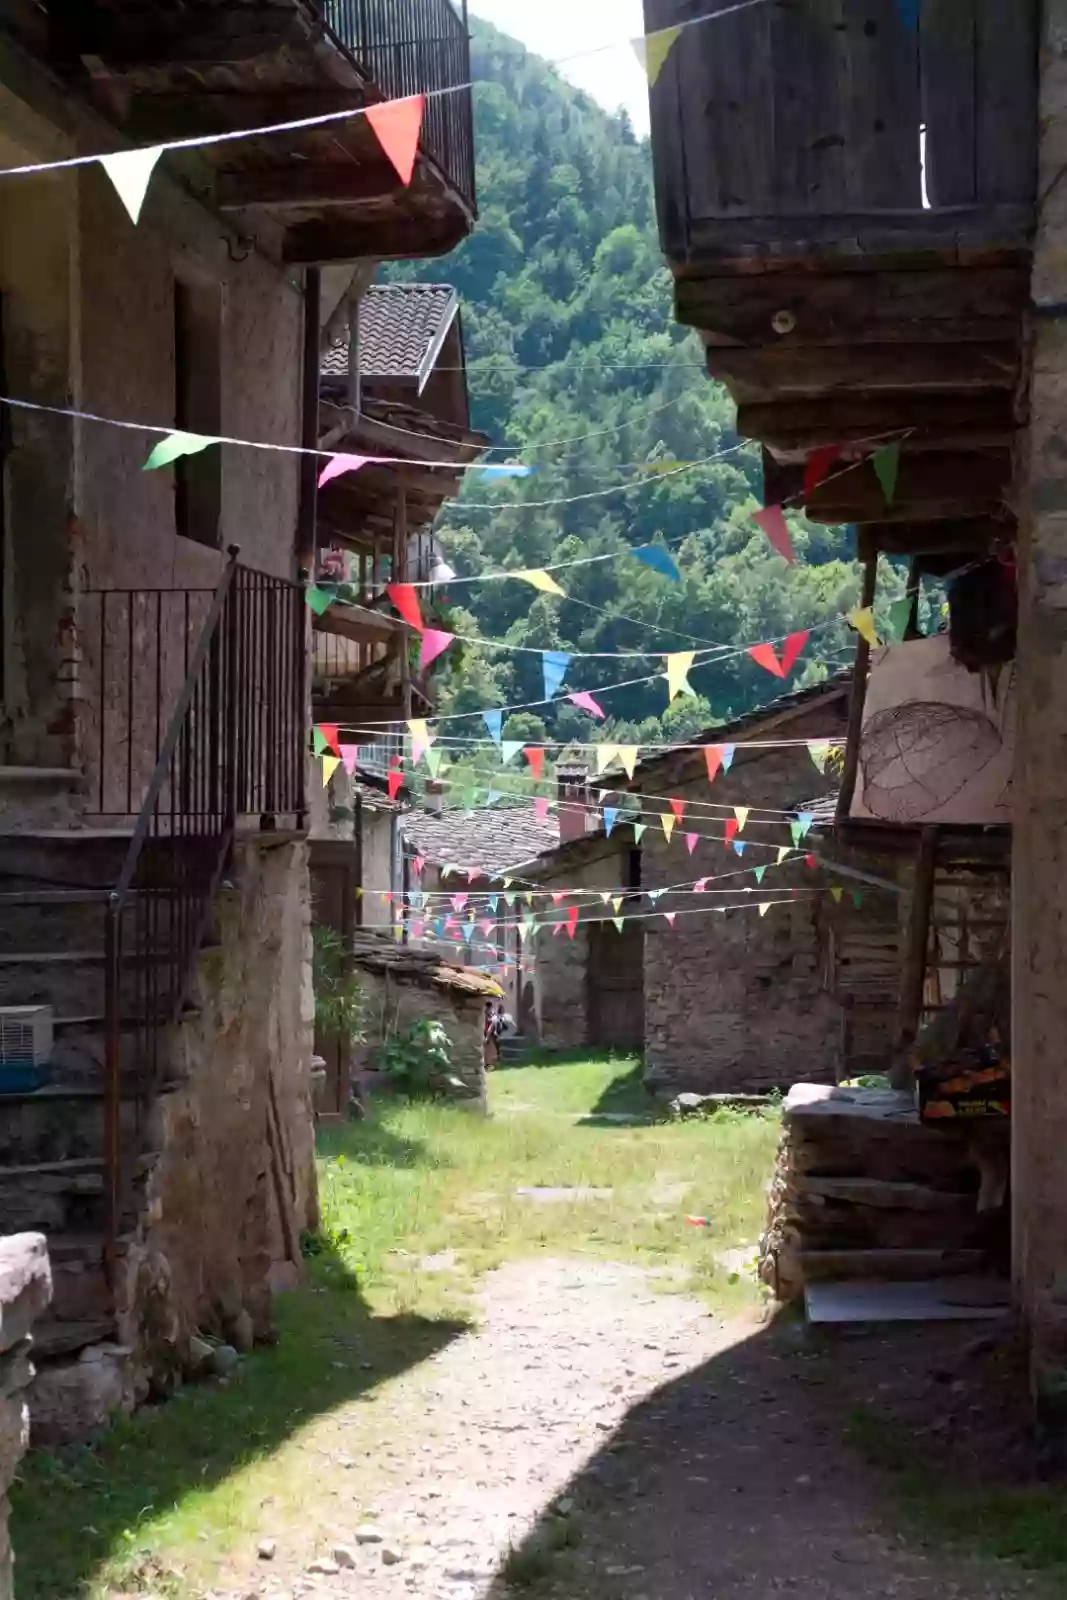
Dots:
{"x": 419, "y": 1061}
{"x": 339, "y": 1000}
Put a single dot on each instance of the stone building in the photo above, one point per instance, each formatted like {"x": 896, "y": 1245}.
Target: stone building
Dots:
{"x": 154, "y": 644}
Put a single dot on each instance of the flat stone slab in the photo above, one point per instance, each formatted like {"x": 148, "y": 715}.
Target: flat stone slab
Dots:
{"x": 877, "y": 1105}
{"x": 948, "y": 1300}
{"x": 550, "y": 1196}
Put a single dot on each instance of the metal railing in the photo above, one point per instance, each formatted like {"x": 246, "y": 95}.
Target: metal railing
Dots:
{"x": 418, "y": 47}
{"x": 234, "y": 745}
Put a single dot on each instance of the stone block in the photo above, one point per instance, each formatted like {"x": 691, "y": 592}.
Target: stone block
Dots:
{"x": 25, "y": 1285}
{"x": 75, "y": 1400}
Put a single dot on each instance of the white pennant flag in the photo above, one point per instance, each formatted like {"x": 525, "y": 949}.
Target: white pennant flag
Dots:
{"x": 131, "y": 173}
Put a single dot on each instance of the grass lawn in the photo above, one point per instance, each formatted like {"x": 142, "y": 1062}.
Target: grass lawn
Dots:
{"x": 152, "y": 1506}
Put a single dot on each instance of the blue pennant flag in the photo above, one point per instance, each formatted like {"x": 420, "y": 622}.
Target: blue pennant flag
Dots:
{"x": 728, "y": 756}
{"x": 494, "y": 901}
{"x": 650, "y": 555}
{"x": 805, "y": 819}
{"x": 492, "y": 797}
{"x": 739, "y": 846}
{"x": 555, "y": 664}
{"x": 494, "y": 721}
{"x": 468, "y": 931}
{"x": 610, "y": 814}
{"x": 504, "y": 469}
{"x": 909, "y": 12}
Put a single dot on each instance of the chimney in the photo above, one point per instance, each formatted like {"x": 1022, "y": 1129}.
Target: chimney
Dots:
{"x": 573, "y": 797}
{"x": 434, "y": 796}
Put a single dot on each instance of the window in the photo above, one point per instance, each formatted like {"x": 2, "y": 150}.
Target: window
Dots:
{"x": 198, "y": 408}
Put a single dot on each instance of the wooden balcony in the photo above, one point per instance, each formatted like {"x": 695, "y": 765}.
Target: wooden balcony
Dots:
{"x": 846, "y": 204}
{"x": 170, "y": 69}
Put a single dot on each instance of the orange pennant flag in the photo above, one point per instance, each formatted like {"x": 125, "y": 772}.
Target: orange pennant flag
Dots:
{"x": 773, "y": 523}
{"x": 791, "y": 649}
{"x": 398, "y": 124}
{"x": 763, "y": 655}
{"x": 406, "y": 601}
{"x": 536, "y": 757}
{"x": 678, "y": 807}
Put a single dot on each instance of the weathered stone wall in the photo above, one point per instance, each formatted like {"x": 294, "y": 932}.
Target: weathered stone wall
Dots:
{"x": 562, "y": 971}
{"x": 739, "y": 1001}
{"x": 393, "y": 1005}
{"x": 25, "y": 1290}
{"x": 234, "y": 1182}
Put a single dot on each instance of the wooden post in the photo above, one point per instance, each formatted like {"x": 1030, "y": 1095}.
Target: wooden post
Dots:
{"x": 306, "y": 552}
{"x": 400, "y": 569}
{"x": 915, "y": 572}
{"x": 859, "y": 695}
{"x": 915, "y": 958}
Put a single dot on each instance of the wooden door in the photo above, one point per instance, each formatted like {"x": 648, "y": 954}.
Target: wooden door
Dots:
{"x": 615, "y": 987}
{"x": 334, "y": 880}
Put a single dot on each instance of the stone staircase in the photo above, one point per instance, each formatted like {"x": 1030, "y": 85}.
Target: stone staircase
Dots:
{"x": 514, "y": 1050}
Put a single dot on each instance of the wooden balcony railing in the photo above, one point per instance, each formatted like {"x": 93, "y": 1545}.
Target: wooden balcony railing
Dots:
{"x": 418, "y": 47}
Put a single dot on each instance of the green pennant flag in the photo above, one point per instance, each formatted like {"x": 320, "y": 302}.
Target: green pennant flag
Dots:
{"x": 509, "y": 749}
{"x": 857, "y": 898}
{"x": 758, "y": 873}
{"x": 639, "y": 828}
{"x": 797, "y": 830}
{"x": 319, "y": 600}
{"x": 899, "y": 617}
{"x": 319, "y": 740}
{"x": 886, "y": 464}
{"x": 618, "y": 921}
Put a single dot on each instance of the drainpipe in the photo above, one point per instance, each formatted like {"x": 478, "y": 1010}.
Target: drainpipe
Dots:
{"x": 306, "y": 551}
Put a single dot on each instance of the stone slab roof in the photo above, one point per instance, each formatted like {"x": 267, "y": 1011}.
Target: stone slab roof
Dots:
{"x": 402, "y": 327}
{"x": 380, "y": 954}
{"x": 491, "y": 839}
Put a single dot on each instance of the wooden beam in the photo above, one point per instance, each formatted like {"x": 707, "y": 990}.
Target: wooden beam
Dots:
{"x": 915, "y": 958}
{"x": 163, "y": 35}
{"x": 437, "y": 228}
{"x": 770, "y": 374}
{"x": 356, "y": 623}
{"x": 971, "y": 536}
{"x": 952, "y": 420}
{"x": 858, "y": 696}
{"x": 304, "y": 184}
{"x": 929, "y": 488}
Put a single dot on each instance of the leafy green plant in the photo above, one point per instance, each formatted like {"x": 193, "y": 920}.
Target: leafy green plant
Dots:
{"x": 419, "y": 1061}
{"x": 340, "y": 1006}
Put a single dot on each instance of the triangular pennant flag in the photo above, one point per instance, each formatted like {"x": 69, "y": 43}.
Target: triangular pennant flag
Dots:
{"x": 731, "y": 829}
{"x": 618, "y": 921}
{"x": 678, "y": 665}
{"x": 742, "y": 815}
{"x": 678, "y": 807}
{"x": 503, "y": 469}
{"x": 757, "y": 872}
{"x": 670, "y": 916}
{"x": 610, "y": 815}
{"x": 765, "y": 906}
{"x": 494, "y": 721}
{"x": 791, "y": 649}
{"x": 783, "y": 851}
{"x": 434, "y": 643}
{"x": 727, "y": 756}
{"x": 459, "y": 901}
{"x": 652, "y": 50}
{"x": 572, "y": 921}
{"x": 639, "y": 828}
{"x": 616, "y": 901}
{"x": 540, "y": 579}
{"x": 691, "y": 841}
{"x": 330, "y": 732}
{"x": 909, "y": 13}
{"x": 886, "y": 464}
{"x": 421, "y": 739}
{"x": 417, "y": 863}
{"x": 394, "y": 782}
{"x": 656, "y": 894}
{"x": 763, "y": 655}
{"x": 536, "y": 758}
{"x": 398, "y": 124}
{"x": 700, "y": 887}
{"x": 585, "y": 702}
{"x": 508, "y": 882}
{"x": 667, "y": 823}
{"x": 837, "y": 892}
{"x": 175, "y": 445}
{"x": 805, "y": 820}
{"x": 899, "y": 618}
{"x": 492, "y": 796}
{"x": 857, "y": 898}
{"x": 474, "y": 873}
{"x": 739, "y": 846}
{"x": 797, "y": 832}
{"x": 819, "y": 751}
{"x": 773, "y": 523}
{"x": 818, "y": 465}
{"x": 713, "y": 758}
{"x": 487, "y": 926}
{"x": 605, "y": 755}
{"x": 541, "y": 808}
{"x": 318, "y": 741}
{"x": 434, "y": 759}
{"x": 468, "y": 931}
{"x": 811, "y": 861}
{"x": 509, "y": 749}
{"x": 406, "y": 600}
{"x": 523, "y": 930}
{"x": 418, "y": 927}
{"x": 628, "y": 754}
{"x": 862, "y": 619}
{"x": 320, "y": 600}
{"x": 605, "y": 896}
{"x": 338, "y": 465}
{"x": 349, "y": 755}
{"x": 131, "y": 173}
{"x": 554, "y": 664}
{"x": 558, "y": 899}
{"x": 650, "y": 555}
{"x": 330, "y": 765}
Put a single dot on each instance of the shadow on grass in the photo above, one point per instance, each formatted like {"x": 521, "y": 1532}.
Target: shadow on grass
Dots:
{"x": 625, "y": 1097}
{"x": 80, "y": 1509}
{"x": 370, "y": 1142}
{"x": 746, "y": 1468}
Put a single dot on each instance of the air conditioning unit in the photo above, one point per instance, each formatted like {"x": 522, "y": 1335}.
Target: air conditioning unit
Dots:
{"x": 26, "y": 1040}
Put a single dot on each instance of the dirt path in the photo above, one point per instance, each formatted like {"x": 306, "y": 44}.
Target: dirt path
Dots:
{"x": 624, "y": 1443}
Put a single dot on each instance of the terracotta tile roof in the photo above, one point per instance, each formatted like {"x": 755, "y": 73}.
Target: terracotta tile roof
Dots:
{"x": 491, "y": 839}
{"x": 401, "y": 329}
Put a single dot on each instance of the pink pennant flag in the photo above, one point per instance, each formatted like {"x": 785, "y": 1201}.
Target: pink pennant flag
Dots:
{"x": 586, "y": 702}
{"x": 349, "y": 752}
{"x": 678, "y": 807}
{"x": 434, "y": 643}
{"x": 458, "y": 902}
{"x": 558, "y": 899}
{"x": 773, "y": 523}
{"x": 406, "y": 601}
{"x": 763, "y": 655}
{"x": 395, "y": 782}
{"x": 339, "y": 464}
{"x": 794, "y": 644}
{"x": 818, "y": 465}
{"x": 691, "y": 841}
{"x": 541, "y": 808}
{"x": 474, "y": 873}
{"x": 572, "y": 921}
{"x": 557, "y": 930}
{"x": 487, "y": 926}
{"x": 670, "y": 916}
{"x": 731, "y": 830}
{"x": 700, "y": 886}
{"x": 536, "y": 757}
{"x": 398, "y": 124}
{"x": 417, "y": 929}
{"x": 417, "y": 863}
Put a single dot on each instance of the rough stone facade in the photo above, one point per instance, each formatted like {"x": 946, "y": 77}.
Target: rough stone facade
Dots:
{"x": 25, "y": 1290}
{"x": 563, "y": 963}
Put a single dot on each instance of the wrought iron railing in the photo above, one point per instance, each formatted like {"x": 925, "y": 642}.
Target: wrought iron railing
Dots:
{"x": 233, "y": 744}
{"x": 418, "y": 47}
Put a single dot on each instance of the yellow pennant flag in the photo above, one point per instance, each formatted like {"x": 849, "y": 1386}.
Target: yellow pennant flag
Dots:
{"x": 668, "y": 820}
{"x": 678, "y": 664}
{"x": 765, "y": 906}
{"x": 605, "y": 755}
{"x": 837, "y": 893}
{"x": 421, "y": 739}
{"x": 652, "y": 50}
{"x": 628, "y": 756}
{"x": 783, "y": 851}
{"x": 862, "y": 619}
{"x": 617, "y": 903}
{"x": 330, "y": 765}
{"x": 741, "y": 813}
{"x": 540, "y": 579}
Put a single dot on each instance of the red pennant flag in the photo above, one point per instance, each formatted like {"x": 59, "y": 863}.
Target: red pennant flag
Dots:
{"x": 763, "y": 655}
{"x": 792, "y": 648}
{"x": 395, "y": 781}
{"x": 418, "y": 862}
{"x": 818, "y": 465}
{"x": 678, "y": 807}
{"x": 330, "y": 731}
{"x": 398, "y": 124}
{"x": 572, "y": 921}
{"x": 773, "y": 523}
{"x": 811, "y": 861}
{"x": 713, "y": 757}
{"x": 406, "y": 601}
{"x": 731, "y": 830}
{"x": 536, "y": 757}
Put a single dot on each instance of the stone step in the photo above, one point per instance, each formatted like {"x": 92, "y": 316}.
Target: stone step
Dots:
{"x": 53, "y": 1339}
{"x": 63, "y": 858}
{"x": 64, "y": 1197}
{"x": 53, "y": 919}
{"x": 884, "y": 1194}
{"x": 821, "y": 1266}
{"x": 57, "y": 1123}
{"x": 36, "y": 797}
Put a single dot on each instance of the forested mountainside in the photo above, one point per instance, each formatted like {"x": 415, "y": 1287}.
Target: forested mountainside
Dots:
{"x": 575, "y": 363}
